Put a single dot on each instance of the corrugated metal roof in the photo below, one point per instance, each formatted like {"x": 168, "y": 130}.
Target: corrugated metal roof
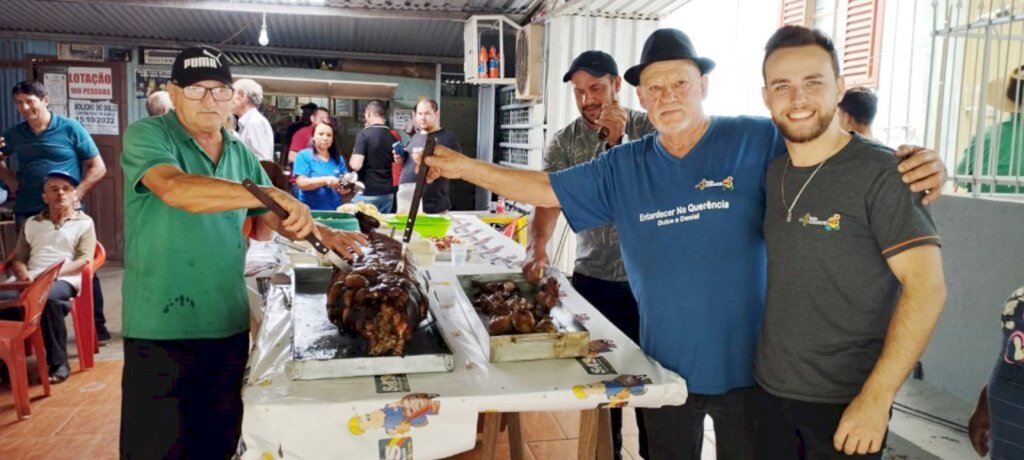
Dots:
{"x": 159, "y": 20}
{"x": 619, "y": 9}
{"x": 413, "y": 30}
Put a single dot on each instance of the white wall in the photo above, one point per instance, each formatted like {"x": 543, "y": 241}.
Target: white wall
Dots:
{"x": 983, "y": 259}
{"x": 733, "y": 34}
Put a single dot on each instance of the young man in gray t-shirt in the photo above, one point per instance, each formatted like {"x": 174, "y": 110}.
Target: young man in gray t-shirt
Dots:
{"x": 855, "y": 283}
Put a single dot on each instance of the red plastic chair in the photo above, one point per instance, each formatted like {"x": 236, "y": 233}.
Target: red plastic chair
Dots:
{"x": 14, "y": 334}
{"x": 82, "y": 312}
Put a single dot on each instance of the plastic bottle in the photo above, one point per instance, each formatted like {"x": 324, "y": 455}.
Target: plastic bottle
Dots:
{"x": 500, "y": 209}
{"x": 481, "y": 69}
{"x": 493, "y": 63}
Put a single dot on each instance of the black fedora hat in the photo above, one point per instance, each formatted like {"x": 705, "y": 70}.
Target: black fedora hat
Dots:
{"x": 667, "y": 45}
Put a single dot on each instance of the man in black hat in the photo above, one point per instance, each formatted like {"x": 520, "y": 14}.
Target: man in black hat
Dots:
{"x": 688, "y": 204}
{"x": 599, "y": 274}
{"x": 186, "y": 312}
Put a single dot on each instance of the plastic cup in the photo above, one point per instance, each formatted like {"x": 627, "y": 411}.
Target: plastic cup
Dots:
{"x": 458, "y": 253}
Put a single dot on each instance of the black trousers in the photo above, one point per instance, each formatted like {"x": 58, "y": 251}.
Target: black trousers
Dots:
{"x": 51, "y": 324}
{"x": 182, "y": 398}
{"x": 787, "y": 428}
{"x": 97, "y": 306}
{"x": 677, "y": 432}
{"x": 615, "y": 301}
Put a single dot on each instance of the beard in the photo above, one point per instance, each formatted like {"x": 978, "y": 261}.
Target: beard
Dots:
{"x": 810, "y": 133}
{"x": 586, "y": 116}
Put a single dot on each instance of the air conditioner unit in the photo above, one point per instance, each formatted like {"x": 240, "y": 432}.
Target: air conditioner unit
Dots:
{"x": 529, "y": 69}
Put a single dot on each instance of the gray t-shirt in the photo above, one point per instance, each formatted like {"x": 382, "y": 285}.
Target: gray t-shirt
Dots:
{"x": 435, "y": 194}
{"x": 597, "y": 249}
{"x": 831, "y": 293}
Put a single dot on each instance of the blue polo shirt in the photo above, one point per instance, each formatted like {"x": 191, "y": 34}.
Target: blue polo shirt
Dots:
{"x": 62, "y": 146}
{"x": 691, "y": 235}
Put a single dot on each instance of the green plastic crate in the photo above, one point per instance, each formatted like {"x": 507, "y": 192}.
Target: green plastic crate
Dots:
{"x": 337, "y": 220}
{"x": 430, "y": 226}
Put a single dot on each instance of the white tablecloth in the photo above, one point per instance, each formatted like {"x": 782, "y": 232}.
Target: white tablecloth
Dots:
{"x": 375, "y": 417}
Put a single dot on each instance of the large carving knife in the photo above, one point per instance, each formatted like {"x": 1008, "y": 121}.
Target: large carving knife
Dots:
{"x": 275, "y": 208}
{"x": 417, "y": 197}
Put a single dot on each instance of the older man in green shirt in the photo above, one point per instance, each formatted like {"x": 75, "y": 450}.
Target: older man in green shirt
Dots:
{"x": 185, "y": 307}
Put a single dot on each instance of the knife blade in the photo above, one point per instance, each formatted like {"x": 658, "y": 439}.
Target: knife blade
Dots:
{"x": 417, "y": 197}
{"x": 275, "y": 208}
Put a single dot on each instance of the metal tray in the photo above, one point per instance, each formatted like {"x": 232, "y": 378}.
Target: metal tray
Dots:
{"x": 572, "y": 339}
{"x": 321, "y": 350}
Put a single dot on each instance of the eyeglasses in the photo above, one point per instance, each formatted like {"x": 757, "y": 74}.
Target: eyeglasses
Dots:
{"x": 197, "y": 93}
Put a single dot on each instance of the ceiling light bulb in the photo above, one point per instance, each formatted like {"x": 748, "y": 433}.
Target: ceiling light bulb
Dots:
{"x": 264, "y": 39}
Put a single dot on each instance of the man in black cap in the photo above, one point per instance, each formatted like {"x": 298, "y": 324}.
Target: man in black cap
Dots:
{"x": 186, "y": 312}
{"x": 688, "y": 204}
{"x": 599, "y": 274}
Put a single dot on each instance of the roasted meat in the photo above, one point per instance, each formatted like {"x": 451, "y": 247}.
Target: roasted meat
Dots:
{"x": 378, "y": 299}
{"x": 510, "y": 312}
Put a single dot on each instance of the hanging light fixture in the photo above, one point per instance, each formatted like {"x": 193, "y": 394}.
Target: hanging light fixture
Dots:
{"x": 264, "y": 40}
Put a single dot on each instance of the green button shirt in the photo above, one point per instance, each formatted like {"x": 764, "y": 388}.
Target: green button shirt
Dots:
{"x": 184, "y": 272}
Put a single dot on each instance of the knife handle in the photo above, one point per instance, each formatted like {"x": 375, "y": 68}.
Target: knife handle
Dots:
{"x": 279, "y": 211}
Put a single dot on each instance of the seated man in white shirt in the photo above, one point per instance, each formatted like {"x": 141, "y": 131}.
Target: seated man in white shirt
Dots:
{"x": 59, "y": 233}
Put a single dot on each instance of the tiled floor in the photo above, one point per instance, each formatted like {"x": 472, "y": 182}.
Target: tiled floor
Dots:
{"x": 80, "y": 419}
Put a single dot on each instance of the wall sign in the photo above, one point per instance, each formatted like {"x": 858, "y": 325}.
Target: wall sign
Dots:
{"x": 148, "y": 81}
{"x": 400, "y": 118}
{"x": 96, "y": 117}
{"x": 56, "y": 87}
{"x": 95, "y": 83}
{"x": 159, "y": 56}
{"x": 79, "y": 52}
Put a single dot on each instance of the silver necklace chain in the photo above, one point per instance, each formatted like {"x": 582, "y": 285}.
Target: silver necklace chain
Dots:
{"x": 789, "y": 207}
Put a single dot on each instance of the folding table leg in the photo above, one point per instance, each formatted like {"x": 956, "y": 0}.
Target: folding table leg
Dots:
{"x": 595, "y": 430}
{"x": 492, "y": 425}
{"x": 515, "y": 435}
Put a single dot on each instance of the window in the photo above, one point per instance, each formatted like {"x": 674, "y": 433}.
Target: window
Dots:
{"x": 862, "y": 42}
{"x": 854, "y": 25}
{"x": 795, "y": 13}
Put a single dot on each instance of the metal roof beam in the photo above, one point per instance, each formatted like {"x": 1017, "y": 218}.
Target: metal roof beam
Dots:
{"x": 301, "y": 10}
{"x": 316, "y": 53}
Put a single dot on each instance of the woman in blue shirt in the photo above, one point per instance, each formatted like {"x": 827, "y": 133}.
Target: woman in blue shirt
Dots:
{"x": 318, "y": 171}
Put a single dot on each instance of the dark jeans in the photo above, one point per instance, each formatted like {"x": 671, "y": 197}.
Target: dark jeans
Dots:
{"x": 182, "y": 398}
{"x": 787, "y": 428}
{"x": 55, "y": 332}
{"x": 1006, "y": 410}
{"x": 677, "y": 432}
{"x": 615, "y": 301}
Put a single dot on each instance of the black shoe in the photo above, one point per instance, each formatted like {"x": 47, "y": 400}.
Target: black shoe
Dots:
{"x": 58, "y": 374}
{"x": 102, "y": 335}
